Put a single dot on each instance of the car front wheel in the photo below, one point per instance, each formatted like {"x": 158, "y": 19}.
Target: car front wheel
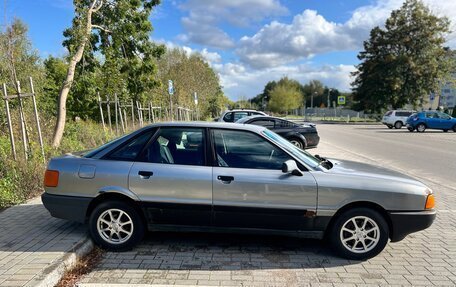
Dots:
{"x": 359, "y": 234}
{"x": 398, "y": 125}
{"x": 410, "y": 129}
{"x": 116, "y": 226}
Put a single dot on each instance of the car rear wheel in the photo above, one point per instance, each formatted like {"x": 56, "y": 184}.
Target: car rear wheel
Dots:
{"x": 445, "y": 131}
{"x": 454, "y": 128}
{"x": 390, "y": 126}
{"x": 297, "y": 142}
{"x": 398, "y": 125}
{"x": 116, "y": 226}
{"x": 421, "y": 128}
{"x": 359, "y": 234}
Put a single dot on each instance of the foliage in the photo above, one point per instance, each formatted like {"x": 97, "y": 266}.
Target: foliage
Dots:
{"x": 122, "y": 37}
{"x": 454, "y": 112}
{"x": 404, "y": 61}
{"x": 286, "y": 95}
{"x": 190, "y": 74}
{"x": 18, "y": 59}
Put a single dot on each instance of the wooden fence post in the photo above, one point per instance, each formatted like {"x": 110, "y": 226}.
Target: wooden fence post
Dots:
{"x": 101, "y": 111}
{"x": 22, "y": 118}
{"x": 10, "y": 127}
{"x": 37, "y": 119}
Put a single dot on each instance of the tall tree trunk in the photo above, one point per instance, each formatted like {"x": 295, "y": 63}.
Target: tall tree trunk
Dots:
{"x": 66, "y": 86}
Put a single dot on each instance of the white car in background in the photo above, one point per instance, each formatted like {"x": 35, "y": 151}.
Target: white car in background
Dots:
{"x": 232, "y": 116}
{"x": 396, "y": 118}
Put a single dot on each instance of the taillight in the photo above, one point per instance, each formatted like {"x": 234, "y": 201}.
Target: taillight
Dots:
{"x": 51, "y": 178}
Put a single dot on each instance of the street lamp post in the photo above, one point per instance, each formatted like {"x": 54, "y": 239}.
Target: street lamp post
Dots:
{"x": 312, "y": 99}
{"x": 329, "y": 90}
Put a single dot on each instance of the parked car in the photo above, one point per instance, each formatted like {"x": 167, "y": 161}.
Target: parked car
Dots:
{"x": 431, "y": 120}
{"x": 396, "y": 118}
{"x": 232, "y": 178}
{"x": 232, "y": 116}
{"x": 303, "y": 136}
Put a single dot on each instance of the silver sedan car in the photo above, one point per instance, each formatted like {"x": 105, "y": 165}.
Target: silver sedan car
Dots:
{"x": 232, "y": 178}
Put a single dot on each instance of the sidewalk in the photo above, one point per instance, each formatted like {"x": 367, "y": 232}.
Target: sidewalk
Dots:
{"x": 35, "y": 247}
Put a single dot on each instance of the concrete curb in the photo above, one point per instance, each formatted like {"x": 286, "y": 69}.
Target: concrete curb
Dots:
{"x": 51, "y": 275}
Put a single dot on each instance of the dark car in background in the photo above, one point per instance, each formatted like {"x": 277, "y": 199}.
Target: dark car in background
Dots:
{"x": 431, "y": 120}
{"x": 303, "y": 136}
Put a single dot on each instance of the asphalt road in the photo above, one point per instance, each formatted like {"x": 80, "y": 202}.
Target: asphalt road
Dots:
{"x": 430, "y": 156}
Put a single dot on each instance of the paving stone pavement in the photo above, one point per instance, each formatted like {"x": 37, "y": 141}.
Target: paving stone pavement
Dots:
{"x": 426, "y": 258}
{"x": 31, "y": 242}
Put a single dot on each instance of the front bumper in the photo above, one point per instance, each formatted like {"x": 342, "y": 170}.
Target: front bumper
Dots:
{"x": 72, "y": 208}
{"x": 404, "y": 223}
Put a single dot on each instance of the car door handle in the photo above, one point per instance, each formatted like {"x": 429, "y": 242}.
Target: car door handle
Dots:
{"x": 145, "y": 174}
{"x": 225, "y": 179}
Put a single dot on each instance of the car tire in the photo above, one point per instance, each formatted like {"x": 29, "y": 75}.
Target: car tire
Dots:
{"x": 297, "y": 142}
{"x": 445, "y": 131}
{"x": 454, "y": 128}
{"x": 389, "y": 126}
{"x": 369, "y": 236}
{"x": 411, "y": 129}
{"x": 421, "y": 128}
{"x": 398, "y": 125}
{"x": 116, "y": 226}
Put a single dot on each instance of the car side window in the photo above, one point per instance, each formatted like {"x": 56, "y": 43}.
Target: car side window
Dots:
{"x": 431, "y": 115}
{"x": 283, "y": 124}
{"x": 264, "y": 123}
{"x": 228, "y": 117}
{"x": 444, "y": 116}
{"x": 240, "y": 115}
{"x": 242, "y": 149}
{"x": 130, "y": 150}
{"x": 183, "y": 146}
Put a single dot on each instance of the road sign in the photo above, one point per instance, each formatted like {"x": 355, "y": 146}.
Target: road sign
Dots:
{"x": 170, "y": 87}
{"x": 195, "y": 98}
{"x": 341, "y": 100}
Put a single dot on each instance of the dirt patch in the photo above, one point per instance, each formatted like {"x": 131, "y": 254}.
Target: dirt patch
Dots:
{"x": 83, "y": 266}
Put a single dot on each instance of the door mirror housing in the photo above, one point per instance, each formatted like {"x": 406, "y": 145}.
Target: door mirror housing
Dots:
{"x": 290, "y": 166}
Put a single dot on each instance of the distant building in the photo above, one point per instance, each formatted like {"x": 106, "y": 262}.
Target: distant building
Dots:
{"x": 447, "y": 97}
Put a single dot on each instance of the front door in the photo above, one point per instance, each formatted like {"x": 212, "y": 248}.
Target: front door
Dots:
{"x": 249, "y": 188}
{"x": 172, "y": 180}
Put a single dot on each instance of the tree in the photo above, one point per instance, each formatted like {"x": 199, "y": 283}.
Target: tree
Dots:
{"x": 316, "y": 89}
{"x": 286, "y": 95}
{"x": 18, "y": 59}
{"x": 120, "y": 31}
{"x": 190, "y": 73}
{"x": 404, "y": 61}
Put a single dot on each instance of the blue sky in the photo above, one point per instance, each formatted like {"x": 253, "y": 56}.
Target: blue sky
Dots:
{"x": 248, "y": 42}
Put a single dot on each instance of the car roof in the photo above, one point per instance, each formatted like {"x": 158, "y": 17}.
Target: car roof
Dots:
{"x": 243, "y": 110}
{"x": 245, "y": 119}
{"x": 202, "y": 124}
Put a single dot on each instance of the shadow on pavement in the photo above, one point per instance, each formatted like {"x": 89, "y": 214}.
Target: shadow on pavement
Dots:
{"x": 209, "y": 251}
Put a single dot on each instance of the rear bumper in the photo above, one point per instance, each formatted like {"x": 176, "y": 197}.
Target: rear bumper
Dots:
{"x": 72, "y": 208}
{"x": 312, "y": 140}
{"x": 404, "y": 223}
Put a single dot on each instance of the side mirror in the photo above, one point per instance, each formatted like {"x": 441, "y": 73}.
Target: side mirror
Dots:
{"x": 290, "y": 166}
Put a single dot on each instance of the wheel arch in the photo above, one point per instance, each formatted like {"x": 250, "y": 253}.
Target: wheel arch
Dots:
{"x": 361, "y": 204}
{"x": 114, "y": 196}
{"x": 297, "y": 136}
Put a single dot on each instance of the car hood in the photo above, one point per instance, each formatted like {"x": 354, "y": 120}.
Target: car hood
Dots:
{"x": 344, "y": 167}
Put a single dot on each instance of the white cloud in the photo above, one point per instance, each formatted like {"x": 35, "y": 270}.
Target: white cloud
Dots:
{"x": 205, "y": 16}
{"x": 310, "y": 33}
{"x": 238, "y": 80}
{"x": 210, "y": 57}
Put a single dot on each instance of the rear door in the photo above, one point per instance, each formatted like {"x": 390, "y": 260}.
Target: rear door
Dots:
{"x": 249, "y": 188}
{"x": 172, "y": 180}
{"x": 445, "y": 121}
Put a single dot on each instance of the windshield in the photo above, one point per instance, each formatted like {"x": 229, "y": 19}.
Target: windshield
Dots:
{"x": 304, "y": 156}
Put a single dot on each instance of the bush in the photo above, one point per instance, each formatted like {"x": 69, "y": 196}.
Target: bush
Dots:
{"x": 21, "y": 180}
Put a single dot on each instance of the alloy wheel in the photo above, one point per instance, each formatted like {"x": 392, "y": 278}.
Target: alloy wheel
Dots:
{"x": 360, "y": 234}
{"x": 115, "y": 226}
